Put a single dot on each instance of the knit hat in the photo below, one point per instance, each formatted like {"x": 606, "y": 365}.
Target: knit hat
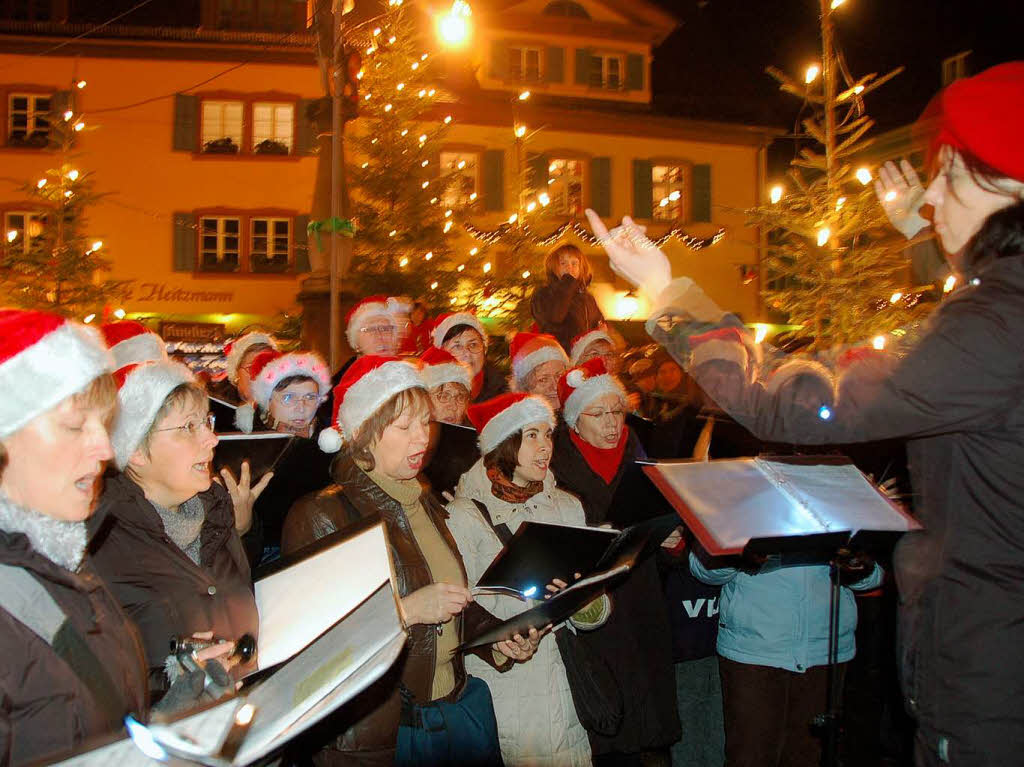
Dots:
{"x": 982, "y": 115}
{"x": 720, "y": 344}
{"x": 440, "y": 367}
{"x": 141, "y": 392}
{"x": 236, "y": 349}
{"x": 269, "y": 368}
{"x": 528, "y": 350}
{"x": 446, "y": 322}
{"x": 499, "y": 418}
{"x": 583, "y": 384}
{"x": 368, "y": 383}
{"x": 44, "y": 359}
{"x": 132, "y": 342}
{"x": 371, "y": 306}
{"x": 582, "y": 341}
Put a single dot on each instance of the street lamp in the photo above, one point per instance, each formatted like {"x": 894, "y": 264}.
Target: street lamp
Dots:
{"x": 454, "y": 27}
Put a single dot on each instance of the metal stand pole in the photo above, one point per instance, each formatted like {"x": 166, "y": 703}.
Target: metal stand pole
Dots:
{"x": 828, "y": 723}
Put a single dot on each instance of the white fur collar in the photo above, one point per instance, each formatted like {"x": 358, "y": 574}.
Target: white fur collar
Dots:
{"x": 63, "y": 543}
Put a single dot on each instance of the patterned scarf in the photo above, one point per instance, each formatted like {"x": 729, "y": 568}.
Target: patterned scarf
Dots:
{"x": 506, "y": 490}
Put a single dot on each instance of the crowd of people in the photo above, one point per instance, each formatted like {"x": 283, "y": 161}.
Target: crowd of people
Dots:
{"x": 117, "y": 534}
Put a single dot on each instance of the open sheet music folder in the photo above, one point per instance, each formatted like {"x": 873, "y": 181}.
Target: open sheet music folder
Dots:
{"x": 769, "y": 503}
{"x": 262, "y": 449}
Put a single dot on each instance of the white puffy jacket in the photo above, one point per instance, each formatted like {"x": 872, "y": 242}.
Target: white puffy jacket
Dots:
{"x": 537, "y": 722}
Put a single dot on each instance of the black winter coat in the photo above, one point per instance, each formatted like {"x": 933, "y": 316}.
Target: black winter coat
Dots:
{"x": 159, "y": 587}
{"x": 636, "y": 641}
{"x": 45, "y": 709}
{"x": 958, "y": 396}
{"x": 565, "y": 309}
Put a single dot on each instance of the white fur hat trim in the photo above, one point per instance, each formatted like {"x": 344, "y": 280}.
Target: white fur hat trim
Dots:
{"x": 717, "y": 349}
{"x": 548, "y": 353}
{"x": 589, "y": 390}
{"x": 363, "y": 313}
{"x": 145, "y": 347}
{"x": 36, "y": 379}
{"x": 586, "y": 340}
{"x": 240, "y": 346}
{"x": 285, "y": 366}
{"x": 140, "y": 397}
{"x": 794, "y": 368}
{"x": 458, "y": 318}
{"x": 376, "y": 387}
{"x": 515, "y": 418}
{"x": 447, "y": 372}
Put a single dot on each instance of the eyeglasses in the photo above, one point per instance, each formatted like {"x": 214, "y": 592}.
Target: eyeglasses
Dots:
{"x": 191, "y": 428}
{"x": 617, "y": 415}
{"x": 291, "y": 400}
{"x": 473, "y": 347}
{"x": 445, "y": 397}
{"x": 379, "y": 330}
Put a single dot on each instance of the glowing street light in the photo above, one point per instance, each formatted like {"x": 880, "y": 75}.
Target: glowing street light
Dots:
{"x": 454, "y": 27}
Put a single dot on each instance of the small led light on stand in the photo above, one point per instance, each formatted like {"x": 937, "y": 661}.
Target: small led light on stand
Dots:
{"x": 824, "y": 413}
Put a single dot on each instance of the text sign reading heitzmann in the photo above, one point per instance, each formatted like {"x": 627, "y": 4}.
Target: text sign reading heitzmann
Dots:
{"x": 192, "y": 332}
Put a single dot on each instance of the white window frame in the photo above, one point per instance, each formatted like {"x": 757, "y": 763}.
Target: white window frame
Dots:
{"x": 24, "y": 238}
{"x": 558, "y": 185}
{"x": 604, "y": 58}
{"x": 221, "y": 251}
{"x": 286, "y": 137}
{"x": 271, "y": 251}
{"x": 449, "y": 160}
{"x": 33, "y": 113}
{"x": 662, "y": 191}
{"x": 522, "y": 52}
{"x": 210, "y": 132}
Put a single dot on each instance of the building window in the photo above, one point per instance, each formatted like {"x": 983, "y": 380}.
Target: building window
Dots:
{"x": 28, "y": 120}
{"x": 606, "y": 71}
{"x": 271, "y": 244}
{"x": 26, "y": 10}
{"x": 21, "y": 227}
{"x": 222, "y": 127}
{"x": 565, "y": 187}
{"x": 461, "y": 168}
{"x": 220, "y": 243}
{"x": 524, "y": 64}
{"x": 954, "y": 68}
{"x": 667, "y": 186}
{"x": 273, "y": 127}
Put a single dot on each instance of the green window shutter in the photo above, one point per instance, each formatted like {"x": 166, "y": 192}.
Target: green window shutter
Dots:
{"x": 494, "y": 179}
{"x": 60, "y": 102}
{"x": 555, "y": 65}
{"x": 300, "y": 241}
{"x": 601, "y": 186}
{"x": 643, "y": 189}
{"x": 537, "y": 173}
{"x": 186, "y": 129}
{"x": 700, "y": 193}
{"x": 634, "y": 72}
{"x": 186, "y": 239}
{"x": 582, "y": 66}
{"x": 499, "y": 60}
{"x": 305, "y": 126}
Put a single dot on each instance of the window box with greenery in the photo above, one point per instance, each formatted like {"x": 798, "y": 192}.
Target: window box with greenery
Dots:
{"x": 269, "y": 146}
{"x": 221, "y": 146}
{"x": 244, "y": 125}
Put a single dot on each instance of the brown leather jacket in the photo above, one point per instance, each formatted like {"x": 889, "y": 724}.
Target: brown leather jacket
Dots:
{"x": 354, "y": 497}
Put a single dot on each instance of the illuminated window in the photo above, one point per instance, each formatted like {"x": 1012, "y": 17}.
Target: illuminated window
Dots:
{"x": 524, "y": 64}
{"x": 25, "y": 226}
{"x": 273, "y": 126}
{"x": 565, "y": 187}
{"x": 606, "y": 71}
{"x": 461, "y": 167}
{"x": 667, "y": 191}
{"x": 220, "y": 243}
{"x": 28, "y": 119}
{"x": 222, "y": 127}
{"x": 270, "y": 244}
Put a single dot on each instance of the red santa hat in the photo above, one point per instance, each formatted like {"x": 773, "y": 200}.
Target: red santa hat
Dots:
{"x": 269, "y": 368}
{"x": 371, "y": 306}
{"x": 528, "y": 350}
{"x": 725, "y": 344}
{"x": 583, "y": 384}
{"x": 582, "y": 341}
{"x": 132, "y": 342}
{"x": 499, "y": 418}
{"x": 790, "y": 370}
{"x": 44, "y": 359}
{"x": 368, "y": 383}
{"x": 446, "y": 322}
{"x": 142, "y": 389}
{"x": 982, "y": 115}
{"x": 439, "y": 367}
{"x": 234, "y": 350}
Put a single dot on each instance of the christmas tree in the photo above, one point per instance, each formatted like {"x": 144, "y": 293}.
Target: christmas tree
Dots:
{"x": 51, "y": 262}
{"x": 831, "y": 263}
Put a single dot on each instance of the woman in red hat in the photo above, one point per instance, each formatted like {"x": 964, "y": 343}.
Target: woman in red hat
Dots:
{"x": 956, "y": 398}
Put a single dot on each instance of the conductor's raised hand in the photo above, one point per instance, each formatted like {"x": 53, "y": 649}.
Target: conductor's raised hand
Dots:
{"x": 632, "y": 255}
{"x": 244, "y": 494}
{"x": 436, "y": 603}
{"x": 901, "y": 195}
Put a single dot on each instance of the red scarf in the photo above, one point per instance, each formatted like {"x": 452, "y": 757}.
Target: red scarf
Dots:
{"x": 604, "y": 461}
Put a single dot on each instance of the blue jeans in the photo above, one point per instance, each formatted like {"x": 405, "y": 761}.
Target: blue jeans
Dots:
{"x": 463, "y": 733}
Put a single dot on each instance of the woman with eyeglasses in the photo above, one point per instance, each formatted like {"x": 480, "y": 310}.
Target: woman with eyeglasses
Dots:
{"x": 594, "y": 458}
{"x": 463, "y": 336}
{"x": 452, "y": 448}
{"x": 166, "y": 540}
